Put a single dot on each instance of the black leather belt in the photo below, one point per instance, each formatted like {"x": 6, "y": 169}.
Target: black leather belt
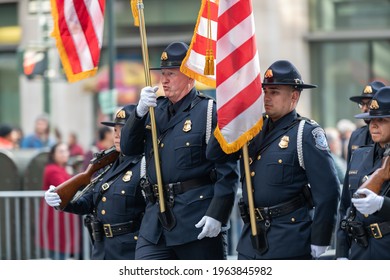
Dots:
{"x": 111, "y": 230}
{"x": 182, "y": 187}
{"x": 377, "y": 231}
{"x": 280, "y": 209}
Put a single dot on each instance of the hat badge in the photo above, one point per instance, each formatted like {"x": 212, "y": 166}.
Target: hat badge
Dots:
{"x": 374, "y": 105}
{"x": 367, "y": 90}
{"x": 121, "y": 114}
{"x": 164, "y": 56}
{"x": 269, "y": 74}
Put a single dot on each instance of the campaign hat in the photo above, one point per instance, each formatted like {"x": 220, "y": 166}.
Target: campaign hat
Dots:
{"x": 172, "y": 56}
{"x": 379, "y": 105}
{"x": 121, "y": 116}
{"x": 368, "y": 91}
{"x": 283, "y": 72}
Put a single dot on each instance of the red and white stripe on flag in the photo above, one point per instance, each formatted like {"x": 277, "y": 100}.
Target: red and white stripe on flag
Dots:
{"x": 194, "y": 62}
{"x": 78, "y": 30}
{"x": 239, "y": 92}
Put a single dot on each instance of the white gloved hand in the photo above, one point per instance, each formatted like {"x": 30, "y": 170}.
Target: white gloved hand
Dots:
{"x": 211, "y": 227}
{"x": 317, "y": 251}
{"x": 148, "y": 98}
{"x": 51, "y": 197}
{"x": 368, "y": 204}
{"x": 342, "y": 259}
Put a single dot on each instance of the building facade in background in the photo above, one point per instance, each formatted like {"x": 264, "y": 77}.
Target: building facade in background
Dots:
{"x": 339, "y": 45}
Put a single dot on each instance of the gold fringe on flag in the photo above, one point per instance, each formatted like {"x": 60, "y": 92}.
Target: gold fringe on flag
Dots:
{"x": 209, "y": 63}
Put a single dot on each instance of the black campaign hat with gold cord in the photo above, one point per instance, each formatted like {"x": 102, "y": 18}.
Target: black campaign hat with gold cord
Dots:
{"x": 379, "y": 105}
{"x": 368, "y": 91}
{"x": 172, "y": 56}
{"x": 121, "y": 116}
{"x": 283, "y": 72}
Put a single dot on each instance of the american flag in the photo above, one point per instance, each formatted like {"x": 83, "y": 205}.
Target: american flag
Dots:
{"x": 238, "y": 82}
{"x": 204, "y": 38}
{"x": 78, "y": 30}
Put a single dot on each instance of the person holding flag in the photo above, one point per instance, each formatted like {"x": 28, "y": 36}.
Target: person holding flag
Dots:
{"x": 292, "y": 172}
{"x": 199, "y": 179}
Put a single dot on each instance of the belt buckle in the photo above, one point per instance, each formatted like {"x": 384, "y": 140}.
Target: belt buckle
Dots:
{"x": 375, "y": 231}
{"x": 107, "y": 230}
{"x": 258, "y": 215}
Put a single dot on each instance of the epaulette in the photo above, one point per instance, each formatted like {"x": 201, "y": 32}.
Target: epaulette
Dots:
{"x": 309, "y": 121}
{"x": 205, "y": 96}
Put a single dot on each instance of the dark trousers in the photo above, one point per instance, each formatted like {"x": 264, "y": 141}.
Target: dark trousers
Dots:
{"x": 205, "y": 249}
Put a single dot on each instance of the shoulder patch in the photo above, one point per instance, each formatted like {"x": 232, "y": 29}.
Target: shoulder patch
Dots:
{"x": 319, "y": 138}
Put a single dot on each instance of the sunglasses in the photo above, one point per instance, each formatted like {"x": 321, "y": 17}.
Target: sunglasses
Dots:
{"x": 361, "y": 104}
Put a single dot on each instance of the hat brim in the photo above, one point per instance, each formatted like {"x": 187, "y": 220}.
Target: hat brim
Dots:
{"x": 302, "y": 86}
{"x": 368, "y": 116}
{"x": 164, "y": 67}
{"x": 359, "y": 98}
{"x": 112, "y": 124}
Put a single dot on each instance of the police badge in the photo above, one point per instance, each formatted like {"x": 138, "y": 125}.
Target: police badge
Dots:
{"x": 187, "y": 126}
{"x": 284, "y": 142}
{"x": 127, "y": 176}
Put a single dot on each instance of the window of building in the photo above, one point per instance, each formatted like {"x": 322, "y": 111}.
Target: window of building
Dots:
{"x": 350, "y": 47}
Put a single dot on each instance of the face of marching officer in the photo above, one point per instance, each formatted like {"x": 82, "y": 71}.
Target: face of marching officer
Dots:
{"x": 117, "y": 137}
{"x": 380, "y": 130}
{"x": 119, "y": 121}
{"x": 176, "y": 85}
{"x": 279, "y": 100}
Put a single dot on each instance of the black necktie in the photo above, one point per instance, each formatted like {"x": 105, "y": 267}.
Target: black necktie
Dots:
{"x": 171, "y": 110}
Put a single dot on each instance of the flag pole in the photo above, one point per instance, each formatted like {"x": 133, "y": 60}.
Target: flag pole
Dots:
{"x": 249, "y": 190}
{"x": 164, "y": 217}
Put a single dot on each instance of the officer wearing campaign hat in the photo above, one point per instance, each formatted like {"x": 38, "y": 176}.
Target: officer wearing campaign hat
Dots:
{"x": 289, "y": 154}
{"x": 369, "y": 212}
{"x": 197, "y": 204}
{"x": 361, "y": 136}
{"x": 114, "y": 204}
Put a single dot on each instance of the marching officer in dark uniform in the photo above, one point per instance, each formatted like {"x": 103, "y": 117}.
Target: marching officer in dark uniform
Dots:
{"x": 292, "y": 171}
{"x": 115, "y": 202}
{"x": 361, "y": 136}
{"x": 364, "y": 231}
{"x": 199, "y": 180}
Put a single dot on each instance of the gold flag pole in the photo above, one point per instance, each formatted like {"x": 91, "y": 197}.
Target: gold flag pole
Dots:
{"x": 145, "y": 56}
{"x": 258, "y": 237}
{"x": 249, "y": 190}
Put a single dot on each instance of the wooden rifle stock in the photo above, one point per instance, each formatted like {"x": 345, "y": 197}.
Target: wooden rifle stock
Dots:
{"x": 69, "y": 188}
{"x": 381, "y": 175}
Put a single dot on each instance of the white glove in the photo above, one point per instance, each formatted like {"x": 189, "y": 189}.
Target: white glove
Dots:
{"x": 211, "y": 227}
{"x": 369, "y": 204}
{"x": 342, "y": 259}
{"x": 148, "y": 98}
{"x": 51, "y": 197}
{"x": 317, "y": 251}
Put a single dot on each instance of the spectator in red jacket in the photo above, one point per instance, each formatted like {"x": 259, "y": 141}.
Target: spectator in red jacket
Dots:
{"x": 60, "y": 232}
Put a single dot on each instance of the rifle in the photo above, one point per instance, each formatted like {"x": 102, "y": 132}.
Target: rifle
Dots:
{"x": 69, "y": 188}
{"x": 381, "y": 175}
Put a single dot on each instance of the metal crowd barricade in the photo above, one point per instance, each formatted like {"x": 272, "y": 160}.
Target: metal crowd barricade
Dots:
{"x": 19, "y": 233}
{"x": 19, "y": 216}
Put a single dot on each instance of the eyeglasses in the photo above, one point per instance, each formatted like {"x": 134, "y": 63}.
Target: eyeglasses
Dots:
{"x": 362, "y": 104}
